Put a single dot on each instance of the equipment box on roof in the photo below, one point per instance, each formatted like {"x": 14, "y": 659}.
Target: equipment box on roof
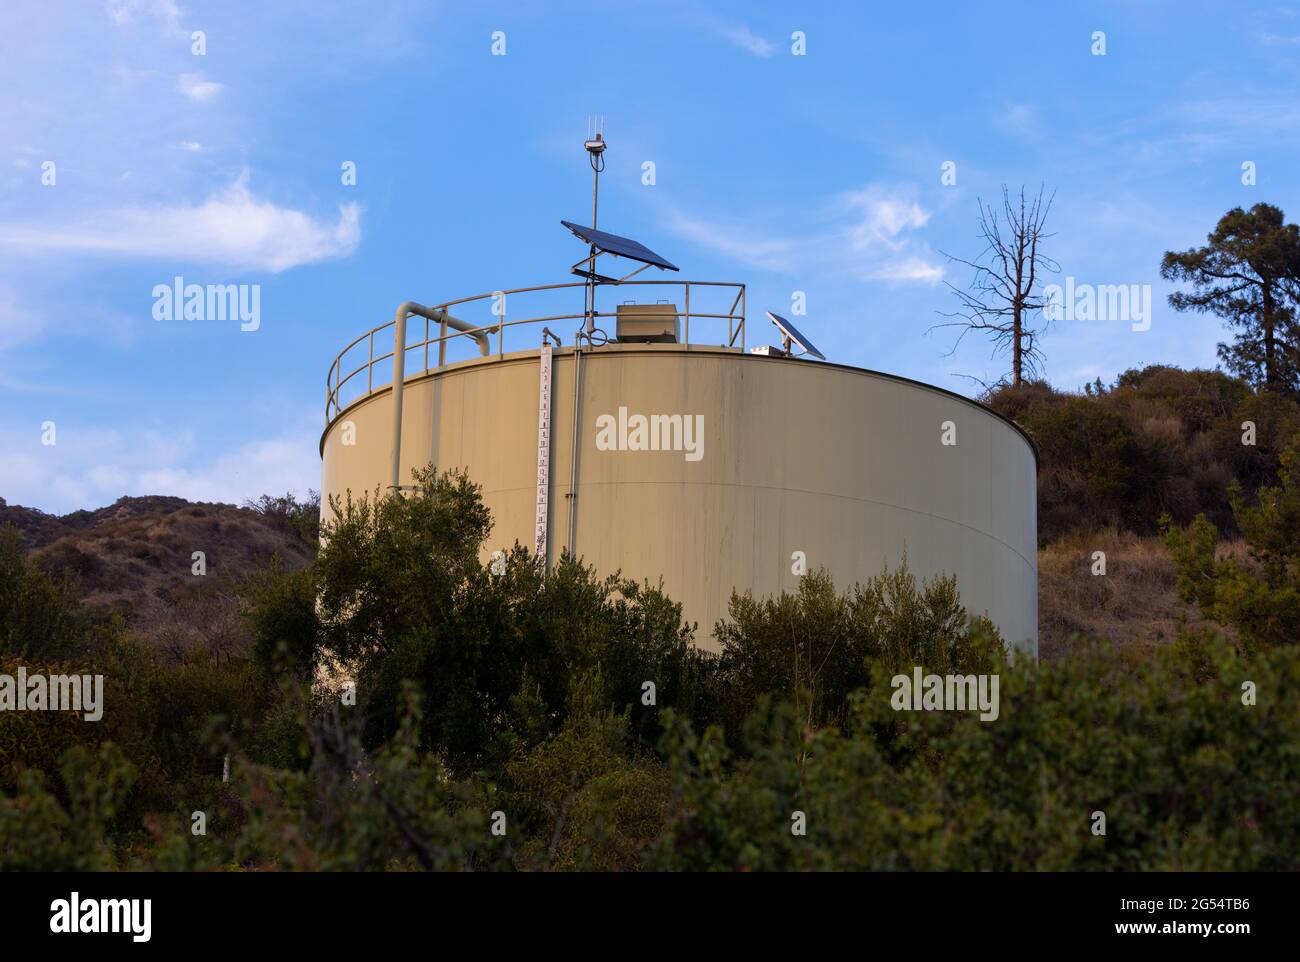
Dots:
{"x": 648, "y": 322}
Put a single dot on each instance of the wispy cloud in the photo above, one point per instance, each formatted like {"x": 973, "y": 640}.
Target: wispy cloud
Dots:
{"x": 92, "y": 466}
{"x": 882, "y": 218}
{"x": 742, "y": 244}
{"x": 867, "y": 234}
{"x": 741, "y": 36}
{"x": 1243, "y": 113}
{"x": 19, "y": 322}
{"x": 910, "y": 269}
{"x": 231, "y": 228}
{"x": 193, "y": 85}
{"x": 1019, "y": 119}
{"x": 123, "y": 12}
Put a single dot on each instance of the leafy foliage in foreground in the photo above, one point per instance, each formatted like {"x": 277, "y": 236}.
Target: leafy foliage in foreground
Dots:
{"x": 1187, "y": 776}
{"x": 502, "y": 723}
{"x": 1258, "y": 596}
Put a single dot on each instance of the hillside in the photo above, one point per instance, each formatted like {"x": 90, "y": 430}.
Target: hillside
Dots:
{"x": 1133, "y": 606}
{"x": 136, "y": 558}
{"x": 1160, "y": 445}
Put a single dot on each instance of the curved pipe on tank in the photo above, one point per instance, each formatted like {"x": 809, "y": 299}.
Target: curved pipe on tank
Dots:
{"x": 404, "y": 311}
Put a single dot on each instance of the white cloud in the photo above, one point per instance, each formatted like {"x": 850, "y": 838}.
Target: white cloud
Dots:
{"x": 737, "y": 34}
{"x": 190, "y": 145}
{"x": 746, "y": 39}
{"x": 1018, "y": 119}
{"x": 122, "y": 12}
{"x": 90, "y": 468}
{"x": 909, "y": 269}
{"x": 193, "y": 85}
{"x": 18, "y": 321}
{"x": 883, "y": 218}
{"x": 230, "y": 228}
{"x": 260, "y": 467}
{"x": 742, "y": 244}
{"x": 1244, "y": 113}
{"x": 864, "y": 235}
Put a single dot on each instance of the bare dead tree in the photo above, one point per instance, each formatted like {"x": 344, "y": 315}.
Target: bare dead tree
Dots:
{"x": 1006, "y": 293}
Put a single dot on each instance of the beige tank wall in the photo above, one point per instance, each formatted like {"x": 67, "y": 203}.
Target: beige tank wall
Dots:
{"x": 842, "y": 464}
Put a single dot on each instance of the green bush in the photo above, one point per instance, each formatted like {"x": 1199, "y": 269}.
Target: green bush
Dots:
{"x": 280, "y": 607}
{"x": 40, "y": 616}
{"x": 1159, "y": 441}
{"x": 404, "y": 597}
{"x": 816, "y": 647}
{"x": 493, "y": 697}
{"x": 65, "y": 829}
{"x": 1188, "y": 777}
{"x": 1258, "y": 596}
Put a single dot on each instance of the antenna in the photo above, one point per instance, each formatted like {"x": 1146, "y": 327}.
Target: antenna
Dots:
{"x": 602, "y": 242}
{"x": 595, "y": 147}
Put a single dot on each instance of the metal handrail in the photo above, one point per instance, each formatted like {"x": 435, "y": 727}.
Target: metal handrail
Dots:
{"x": 441, "y": 335}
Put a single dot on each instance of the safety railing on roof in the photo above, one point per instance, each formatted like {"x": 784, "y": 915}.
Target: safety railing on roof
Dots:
{"x": 449, "y": 332}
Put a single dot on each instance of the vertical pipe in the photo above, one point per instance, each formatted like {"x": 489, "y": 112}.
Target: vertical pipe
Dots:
{"x": 399, "y": 369}
{"x": 573, "y": 451}
{"x": 399, "y": 378}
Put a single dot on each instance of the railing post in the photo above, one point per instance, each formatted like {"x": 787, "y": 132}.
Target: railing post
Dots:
{"x": 370, "y": 365}
{"x": 687, "y": 285}
{"x": 426, "y": 345}
{"x": 442, "y": 341}
{"x": 742, "y": 318}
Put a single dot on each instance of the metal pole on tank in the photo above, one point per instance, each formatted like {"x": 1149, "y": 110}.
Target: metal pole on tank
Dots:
{"x": 595, "y": 147}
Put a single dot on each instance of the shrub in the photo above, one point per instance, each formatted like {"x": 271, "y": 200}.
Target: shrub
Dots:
{"x": 816, "y": 647}
{"x": 1188, "y": 777}
{"x": 1159, "y": 441}
{"x": 1260, "y": 597}
{"x": 40, "y": 615}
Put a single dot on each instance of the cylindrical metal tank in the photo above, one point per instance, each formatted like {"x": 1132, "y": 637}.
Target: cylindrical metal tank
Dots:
{"x": 771, "y": 456}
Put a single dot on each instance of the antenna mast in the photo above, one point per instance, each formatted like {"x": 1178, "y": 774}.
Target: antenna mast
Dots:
{"x": 595, "y": 147}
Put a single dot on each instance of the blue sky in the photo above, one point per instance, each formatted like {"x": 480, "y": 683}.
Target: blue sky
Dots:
{"x": 818, "y": 173}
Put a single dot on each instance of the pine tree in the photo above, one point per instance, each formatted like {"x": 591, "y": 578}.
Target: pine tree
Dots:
{"x": 1249, "y": 274}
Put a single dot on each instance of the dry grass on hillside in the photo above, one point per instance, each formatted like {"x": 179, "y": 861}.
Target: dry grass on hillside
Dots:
{"x": 136, "y": 558}
{"x": 1133, "y": 606}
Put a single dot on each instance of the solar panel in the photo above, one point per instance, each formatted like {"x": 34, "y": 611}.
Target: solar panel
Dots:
{"x": 792, "y": 332}
{"x": 621, "y": 246}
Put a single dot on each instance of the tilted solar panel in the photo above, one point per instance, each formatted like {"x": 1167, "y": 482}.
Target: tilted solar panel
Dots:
{"x": 792, "y": 332}
{"x": 621, "y": 246}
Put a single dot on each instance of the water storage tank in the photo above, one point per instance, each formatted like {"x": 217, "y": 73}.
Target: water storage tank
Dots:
{"x": 710, "y": 467}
